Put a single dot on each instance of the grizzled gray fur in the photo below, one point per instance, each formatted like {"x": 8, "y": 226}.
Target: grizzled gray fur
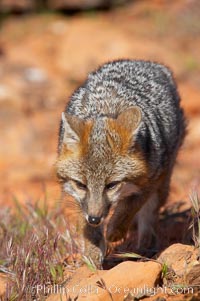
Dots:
{"x": 121, "y": 84}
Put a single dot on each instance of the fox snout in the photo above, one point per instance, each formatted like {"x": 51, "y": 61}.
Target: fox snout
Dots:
{"x": 95, "y": 215}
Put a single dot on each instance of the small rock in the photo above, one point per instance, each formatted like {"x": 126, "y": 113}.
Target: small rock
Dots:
{"x": 10, "y": 102}
{"x": 193, "y": 277}
{"x": 35, "y": 75}
{"x": 4, "y": 92}
{"x": 59, "y": 27}
{"x": 180, "y": 258}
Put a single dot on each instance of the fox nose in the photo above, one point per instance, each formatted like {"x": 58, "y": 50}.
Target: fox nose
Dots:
{"x": 94, "y": 220}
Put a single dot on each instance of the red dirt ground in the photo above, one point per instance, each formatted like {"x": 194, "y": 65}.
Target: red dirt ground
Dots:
{"x": 45, "y": 57}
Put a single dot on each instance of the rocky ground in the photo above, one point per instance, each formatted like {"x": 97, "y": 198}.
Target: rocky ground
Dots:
{"x": 44, "y": 57}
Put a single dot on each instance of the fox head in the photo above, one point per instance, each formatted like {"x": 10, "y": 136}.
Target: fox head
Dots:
{"x": 100, "y": 162}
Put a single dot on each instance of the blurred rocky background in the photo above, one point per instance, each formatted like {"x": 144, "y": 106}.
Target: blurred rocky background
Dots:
{"x": 32, "y": 5}
{"x": 46, "y": 50}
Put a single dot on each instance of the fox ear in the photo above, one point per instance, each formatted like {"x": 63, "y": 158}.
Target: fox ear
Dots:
{"x": 130, "y": 119}
{"x": 72, "y": 129}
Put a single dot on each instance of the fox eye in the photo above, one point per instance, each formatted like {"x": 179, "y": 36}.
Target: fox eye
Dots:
{"x": 80, "y": 185}
{"x": 112, "y": 185}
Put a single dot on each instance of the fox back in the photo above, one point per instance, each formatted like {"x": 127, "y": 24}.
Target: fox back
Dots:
{"x": 119, "y": 137}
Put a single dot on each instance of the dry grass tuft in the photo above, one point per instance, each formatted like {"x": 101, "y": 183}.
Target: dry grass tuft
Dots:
{"x": 195, "y": 214}
{"x": 32, "y": 247}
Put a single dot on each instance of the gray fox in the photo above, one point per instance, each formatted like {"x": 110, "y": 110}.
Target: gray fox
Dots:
{"x": 119, "y": 138}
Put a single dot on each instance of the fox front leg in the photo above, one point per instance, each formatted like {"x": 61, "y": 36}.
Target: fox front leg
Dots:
{"x": 94, "y": 244}
{"x": 122, "y": 217}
